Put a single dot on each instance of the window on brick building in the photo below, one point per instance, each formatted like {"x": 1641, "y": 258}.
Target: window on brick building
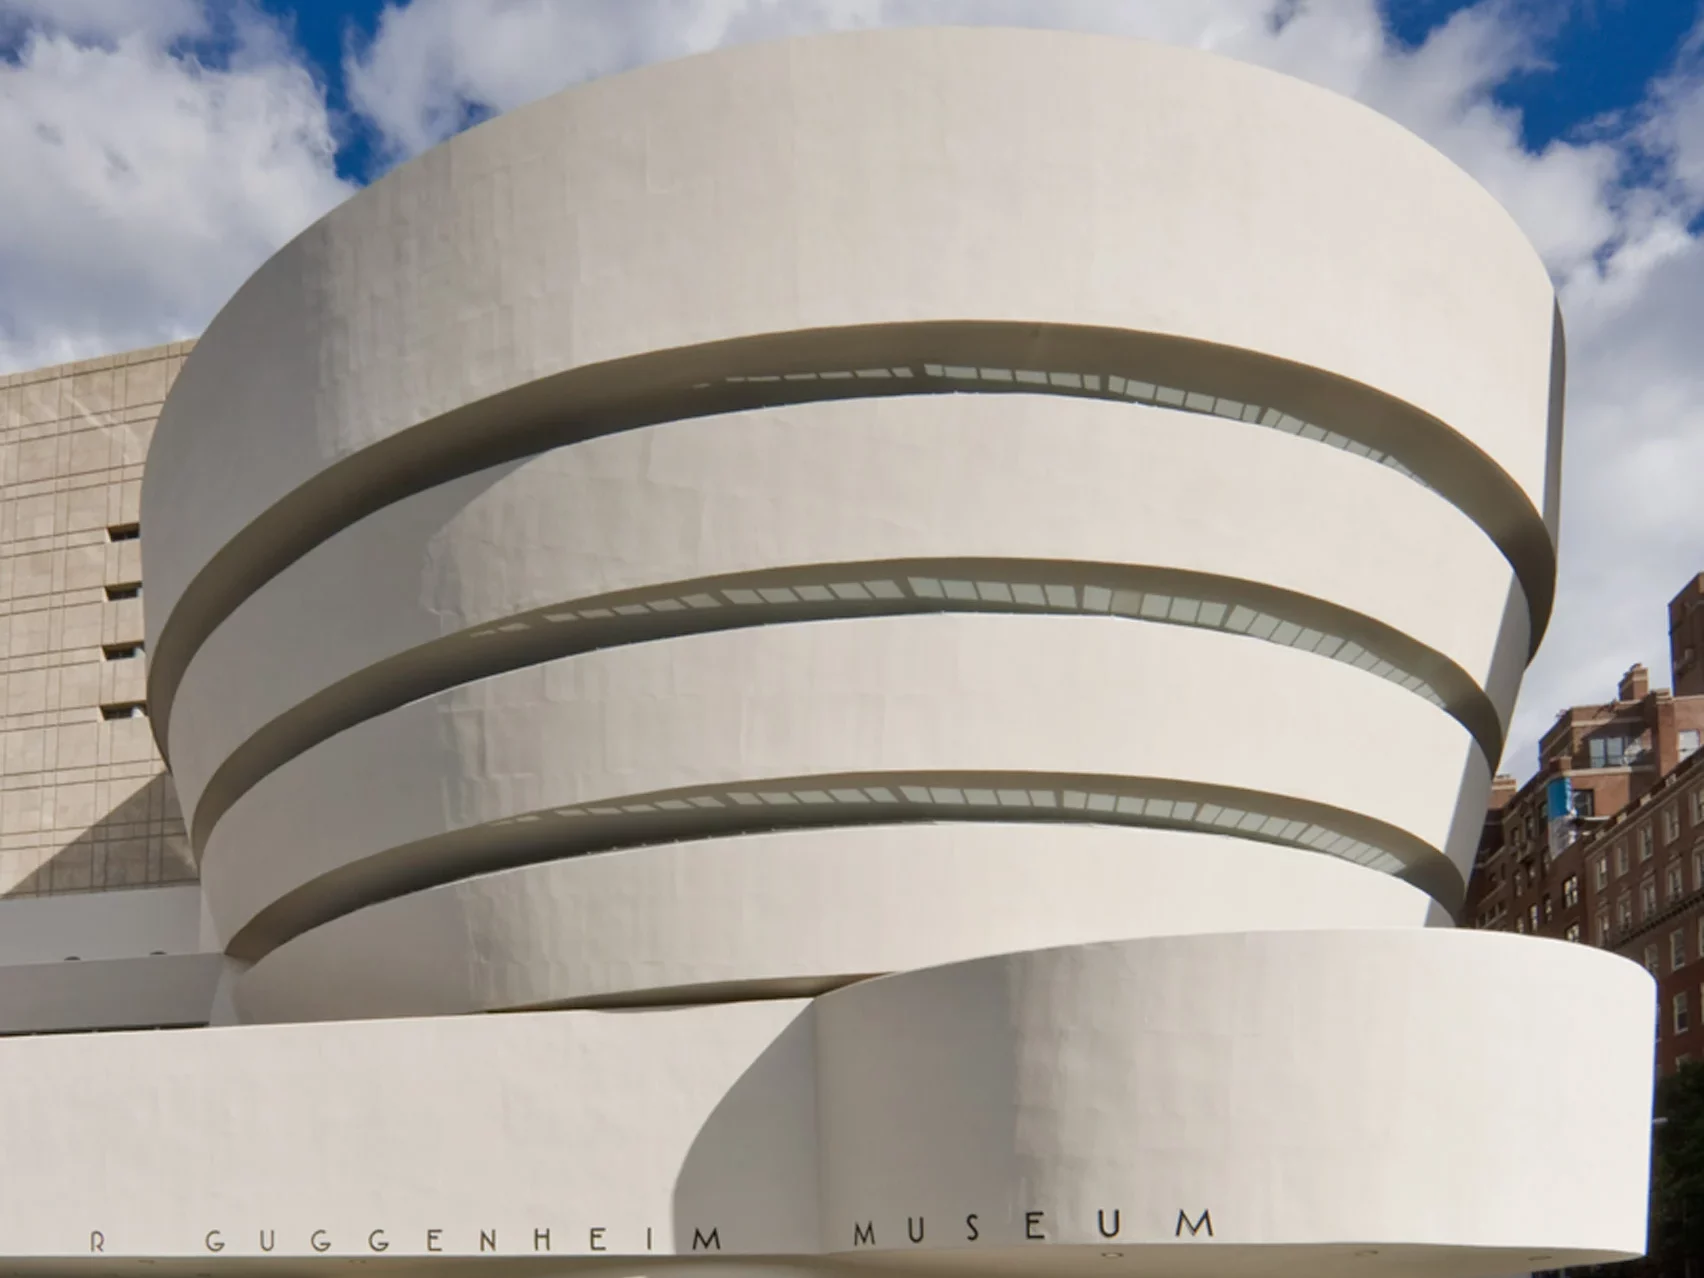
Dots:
{"x": 1607, "y": 752}
{"x": 1520, "y": 926}
{"x": 1532, "y": 917}
{"x": 1571, "y": 891}
{"x": 1671, "y": 823}
{"x": 1624, "y": 912}
{"x": 1647, "y": 899}
{"x": 1682, "y": 1014}
{"x": 1676, "y": 883}
{"x": 1677, "y": 949}
{"x": 1698, "y": 806}
{"x": 1600, "y": 872}
{"x": 1689, "y": 742}
{"x": 1585, "y": 803}
{"x": 1573, "y": 932}
{"x": 1549, "y": 911}
{"x": 1620, "y": 859}
{"x": 1602, "y": 932}
{"x": 1645, "y": 841}
{"x": 1651, "y": 959}
{"x": 1698, "y": 870}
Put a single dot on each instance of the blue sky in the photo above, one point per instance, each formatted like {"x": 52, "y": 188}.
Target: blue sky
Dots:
{"x": 157, "y": 151}
{"x": 1601, "y": 55}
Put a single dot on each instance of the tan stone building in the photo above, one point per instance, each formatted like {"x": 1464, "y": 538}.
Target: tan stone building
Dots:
{"x": 86, "y": 804}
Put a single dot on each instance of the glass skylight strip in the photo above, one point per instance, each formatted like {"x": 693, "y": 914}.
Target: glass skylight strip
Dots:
{"x": 949, "y": 594}
{"x": 927, "y": 797}
{"x": 1104, "y": 386}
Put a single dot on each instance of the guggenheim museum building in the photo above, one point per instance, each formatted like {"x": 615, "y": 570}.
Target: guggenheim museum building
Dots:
{"x": 882, "y": 652}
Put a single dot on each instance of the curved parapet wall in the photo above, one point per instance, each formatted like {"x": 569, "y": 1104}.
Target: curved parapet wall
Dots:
{"x": 867, "y": 722}
{"x": 1071, "y": 506}
{"x": 816, "y": 908}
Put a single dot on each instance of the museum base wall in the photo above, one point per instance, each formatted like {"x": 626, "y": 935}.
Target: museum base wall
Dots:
{"x": 1132, "y": 1105}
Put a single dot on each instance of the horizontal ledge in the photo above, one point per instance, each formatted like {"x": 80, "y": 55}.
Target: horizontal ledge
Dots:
{"x": 821, "y": 592}
{"x": 784, "y": 803}
{"x": 825, "y": 364}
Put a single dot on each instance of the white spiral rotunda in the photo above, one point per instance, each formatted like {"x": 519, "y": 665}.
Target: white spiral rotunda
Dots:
{"x": 929, "y": 614}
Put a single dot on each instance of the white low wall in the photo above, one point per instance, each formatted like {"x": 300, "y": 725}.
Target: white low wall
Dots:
{"x": 1045, "y": 1109}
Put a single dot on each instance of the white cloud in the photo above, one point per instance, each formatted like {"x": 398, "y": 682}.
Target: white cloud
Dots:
{"x": 435, "y": 64}
{"x": 160, "y": 20}
{"x": 141, "y": 187}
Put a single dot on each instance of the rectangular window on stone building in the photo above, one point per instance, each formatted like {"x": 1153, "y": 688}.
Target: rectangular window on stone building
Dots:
{"x": 1647, "y": 899}
{"x": 1571, "y": 890}
{"x": 1676, "y": 883}
{"x": 1624, "y": 912}
{"x": 1682, "y": 1015}
{"x": 121, "y": 651}
{"x": 123, "y": 710}
{"x": 1671, "y": 823}
{"x": 1620, "y": 859}
{"x": 1677, "y": 949}
{"x": 1600, "y": 872}
{"x": 124, "y": 590}
{"x": 1645, "y": 842}
{"x": 124, "y": 532}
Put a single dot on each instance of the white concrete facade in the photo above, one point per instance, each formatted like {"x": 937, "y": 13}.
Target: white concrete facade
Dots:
{"x": 929, "y": 614}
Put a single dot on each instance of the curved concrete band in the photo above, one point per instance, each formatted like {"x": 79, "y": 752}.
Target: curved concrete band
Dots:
{"x": 346, "y": 341}
{"x": 412, "y": 794}
{"x": 434, "y": 590}
{"x": 796, "y": 912}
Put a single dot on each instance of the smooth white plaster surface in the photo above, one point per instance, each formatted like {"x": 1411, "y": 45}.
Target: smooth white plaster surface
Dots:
{"x": 888, "y": 696}
{"x": 744, "y": 915}
{"x": 1214, "y": 1073}
{"x": 823, "y": 183}
{"x": 971, "y": 476}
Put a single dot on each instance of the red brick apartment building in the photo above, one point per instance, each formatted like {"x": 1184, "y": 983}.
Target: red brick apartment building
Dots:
{"x": 1605, "y": 845}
